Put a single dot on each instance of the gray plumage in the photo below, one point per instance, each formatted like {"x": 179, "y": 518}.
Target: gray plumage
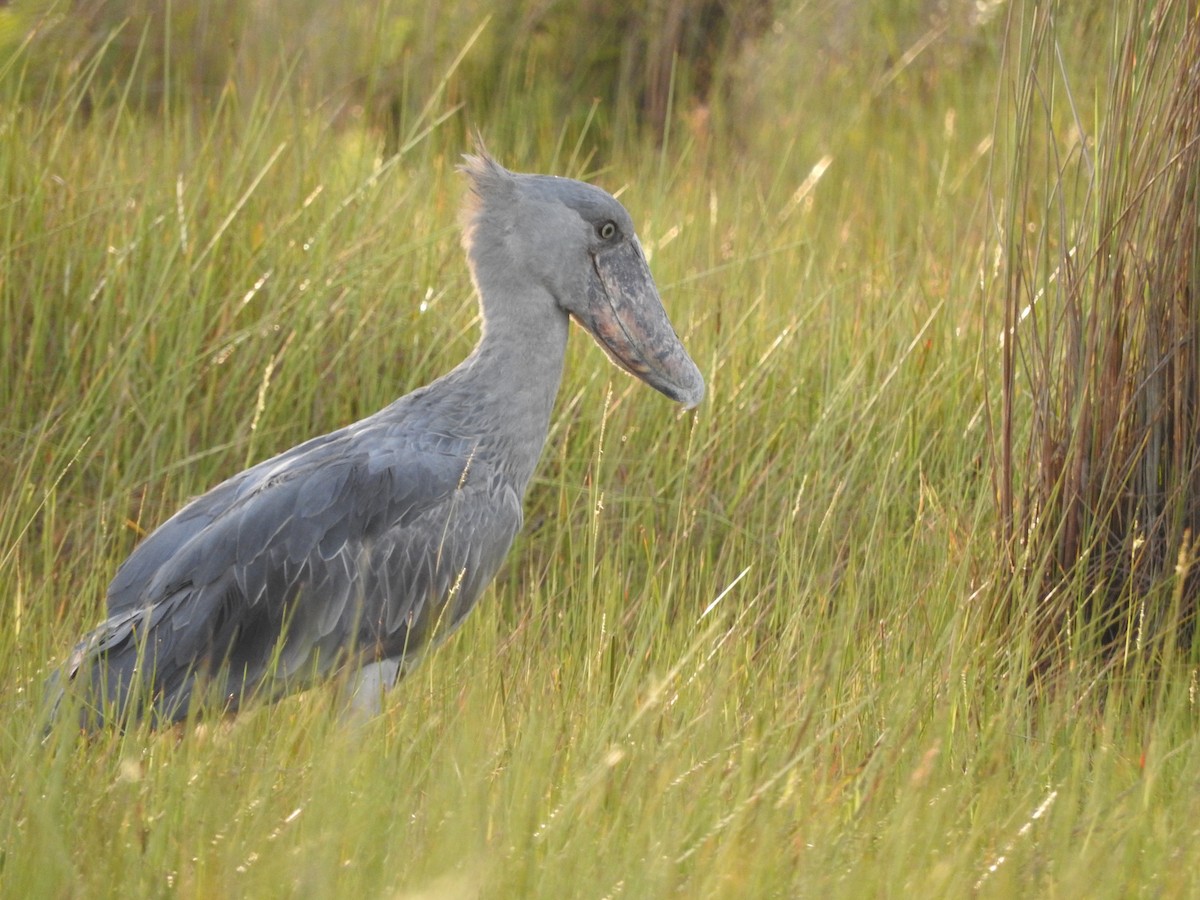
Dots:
{"x": 364, "y": 546}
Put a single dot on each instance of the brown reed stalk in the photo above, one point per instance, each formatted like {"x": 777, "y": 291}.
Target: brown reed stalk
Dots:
{"x": 1097, "y": 452}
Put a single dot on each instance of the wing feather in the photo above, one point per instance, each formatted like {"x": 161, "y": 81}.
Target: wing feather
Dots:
{"x": 347, "y": 543}
{"x": 165, "y": 541}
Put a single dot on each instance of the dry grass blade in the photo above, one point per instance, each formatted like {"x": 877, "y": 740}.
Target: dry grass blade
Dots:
{"x": 1102, "y": 328}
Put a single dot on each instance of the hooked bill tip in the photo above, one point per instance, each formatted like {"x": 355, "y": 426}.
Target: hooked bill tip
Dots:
{"x": 677, "y": 377}
{"x": 689, "y": 397}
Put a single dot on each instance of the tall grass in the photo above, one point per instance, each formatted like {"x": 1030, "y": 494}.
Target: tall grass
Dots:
{"x": 1101, "y": 340}
{"x": 377, "y": 64}
{"x": 758, "y": 650}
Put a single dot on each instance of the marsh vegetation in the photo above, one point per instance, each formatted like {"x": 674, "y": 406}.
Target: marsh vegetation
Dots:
{"x": 906, "y": 607}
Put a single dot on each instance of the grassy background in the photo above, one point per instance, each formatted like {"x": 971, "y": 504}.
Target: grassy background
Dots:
{"x": 772, "y": 648}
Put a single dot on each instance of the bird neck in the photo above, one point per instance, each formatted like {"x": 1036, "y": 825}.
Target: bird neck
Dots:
{"x": 510, "y": 380}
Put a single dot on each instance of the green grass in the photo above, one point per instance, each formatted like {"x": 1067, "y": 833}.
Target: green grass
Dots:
{"x": 759, "y": 650}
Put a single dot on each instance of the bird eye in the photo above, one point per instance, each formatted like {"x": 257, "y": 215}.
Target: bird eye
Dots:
{"x": 607, "y": 231}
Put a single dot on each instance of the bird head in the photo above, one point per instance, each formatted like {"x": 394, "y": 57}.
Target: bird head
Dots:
{"x": 578, "y": 243}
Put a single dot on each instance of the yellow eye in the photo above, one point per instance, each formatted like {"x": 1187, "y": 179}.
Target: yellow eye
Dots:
{"x": 607, "y": 231}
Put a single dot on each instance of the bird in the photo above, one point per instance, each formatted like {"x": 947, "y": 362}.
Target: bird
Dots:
{"x": 360, "y": 550}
